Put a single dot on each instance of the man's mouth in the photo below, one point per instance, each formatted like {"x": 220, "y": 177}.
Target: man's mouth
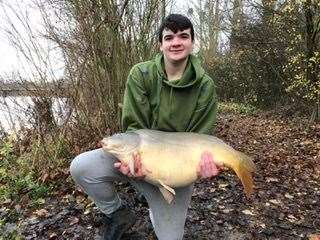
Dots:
{"x": 177, "y": 51}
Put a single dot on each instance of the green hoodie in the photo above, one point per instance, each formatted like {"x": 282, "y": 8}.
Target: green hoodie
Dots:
{"x": 184, "y": 105}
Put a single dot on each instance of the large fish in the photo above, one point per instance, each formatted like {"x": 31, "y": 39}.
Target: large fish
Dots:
{"x": 171, "y": 159}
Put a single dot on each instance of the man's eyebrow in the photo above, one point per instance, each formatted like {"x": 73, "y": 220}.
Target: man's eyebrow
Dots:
{"x": 185, "y": 34}
{"x": 180, "y": 34}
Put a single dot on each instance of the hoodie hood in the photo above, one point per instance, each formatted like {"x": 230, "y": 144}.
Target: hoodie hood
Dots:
{"x": 192, "y": 74}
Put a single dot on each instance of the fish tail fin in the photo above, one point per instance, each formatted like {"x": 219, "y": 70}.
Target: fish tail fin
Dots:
{"x": 243, "y": 167}
{"x": 244, "y": 172}
{"x": 246, "y": 179}
{"x": 246, "y": 161}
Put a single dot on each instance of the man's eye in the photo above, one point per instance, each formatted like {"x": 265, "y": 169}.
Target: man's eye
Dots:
{"x": 167, "y": 38}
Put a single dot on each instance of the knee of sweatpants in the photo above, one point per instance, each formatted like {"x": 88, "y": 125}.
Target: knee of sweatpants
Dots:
{"x": 78, "y": 167}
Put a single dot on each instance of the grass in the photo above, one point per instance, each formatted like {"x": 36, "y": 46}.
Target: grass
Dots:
{"x": 20, "y": 184}
{"x": 20, "y": 171}
{"x": 24, "y": 161}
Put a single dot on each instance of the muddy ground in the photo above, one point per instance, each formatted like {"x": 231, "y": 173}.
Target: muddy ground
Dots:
{"x": 285, "y": 204}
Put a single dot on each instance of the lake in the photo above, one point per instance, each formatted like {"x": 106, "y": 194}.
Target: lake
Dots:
{"x": 16, "y": 112}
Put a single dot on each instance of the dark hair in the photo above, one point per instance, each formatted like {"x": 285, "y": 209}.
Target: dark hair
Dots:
{"x": 176, "y": 22}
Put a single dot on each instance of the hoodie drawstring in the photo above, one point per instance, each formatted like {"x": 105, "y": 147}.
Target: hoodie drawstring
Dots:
{"x": 170, "y": 100}
{"x": 156, "y": 109}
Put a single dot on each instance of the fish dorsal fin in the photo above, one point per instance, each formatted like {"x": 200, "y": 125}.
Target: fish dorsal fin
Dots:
{"x": 167, "y": 192}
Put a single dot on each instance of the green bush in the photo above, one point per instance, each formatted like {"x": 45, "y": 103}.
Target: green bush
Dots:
{"x": 14, "y": 235}
{"x": 17, "y": 177}
{"x": 232, "y": 107}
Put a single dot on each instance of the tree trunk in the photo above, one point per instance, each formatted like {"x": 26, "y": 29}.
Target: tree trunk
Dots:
{"x": 163, "y": 8}
{"x": 310, "y": 42}
{"x": 315, "y": 116}
{"x": 237, "y": 22}
{"x": 311, "y": 47}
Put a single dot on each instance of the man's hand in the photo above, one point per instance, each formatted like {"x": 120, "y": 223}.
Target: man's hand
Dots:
{"x": 139, "y": 171}
{"x": 207, "y": 168}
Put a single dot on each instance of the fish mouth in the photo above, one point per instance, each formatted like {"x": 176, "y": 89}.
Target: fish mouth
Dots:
{"x": 107, "y": 145}
{"x": 104, "y": 143}
{"x": 115, "y": 148}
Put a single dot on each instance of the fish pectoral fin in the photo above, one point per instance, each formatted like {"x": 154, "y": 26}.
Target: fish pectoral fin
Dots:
{"x": 167, "y": 195}
{"x": 167, "y": 187}
{"x": 167, "y": 192}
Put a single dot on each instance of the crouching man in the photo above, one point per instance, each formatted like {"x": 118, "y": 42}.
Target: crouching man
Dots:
{"x": 171, "y": 93}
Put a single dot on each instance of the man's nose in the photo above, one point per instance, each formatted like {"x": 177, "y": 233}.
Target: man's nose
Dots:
{"x": 176, "y": 42}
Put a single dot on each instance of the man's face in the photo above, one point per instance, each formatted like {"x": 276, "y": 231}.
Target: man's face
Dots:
{"x": 176, "y": 47}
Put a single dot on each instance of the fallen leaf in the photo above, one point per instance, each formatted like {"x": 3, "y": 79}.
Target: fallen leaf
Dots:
{"x": 44, "y": 177}
{"x": 53, "y": 236}
{"x": 287, "y": 195}
{"x": 7, "y": 201}
{"x": 80, "y": 199}
{"x": 314, "y": 237}
{"x": 248, "y": 212}
{"x": 292, "y": 218}
{"x": 41, "y": 200}
{"x": 41, "y": 213}
{"x": 86, "y": 212}
{"x": 228, "y": 210}
{"x": 263, "y": 225}
{"x": 270, "y": 179}
{"x": 74, "y": 220}
{"x": 223, "y": 185}
{"x": 275, "y": 201}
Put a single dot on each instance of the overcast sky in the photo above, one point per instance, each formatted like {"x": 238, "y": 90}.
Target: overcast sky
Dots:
{"x": 9, "y": 59}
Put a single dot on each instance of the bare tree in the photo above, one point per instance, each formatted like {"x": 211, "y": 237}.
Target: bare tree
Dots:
{"x": 104, "y": 40}
{"x": 207, "y": 17}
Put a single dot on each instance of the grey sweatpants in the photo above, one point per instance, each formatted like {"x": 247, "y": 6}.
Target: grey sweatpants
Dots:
{"x": 95, "y": 173}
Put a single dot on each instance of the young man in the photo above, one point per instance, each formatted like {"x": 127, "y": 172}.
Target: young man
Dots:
{"x": 172, "y": 92}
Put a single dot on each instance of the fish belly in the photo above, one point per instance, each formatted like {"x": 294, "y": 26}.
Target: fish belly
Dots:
{"x": 174, "y": 166}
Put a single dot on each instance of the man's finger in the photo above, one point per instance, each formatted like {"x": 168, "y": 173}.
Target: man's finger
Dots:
{"x": 207, "y": 165}
{"x": 124, "y": 169}
{"x": 137, "y": 162}
{"x": 117, "y": 164}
